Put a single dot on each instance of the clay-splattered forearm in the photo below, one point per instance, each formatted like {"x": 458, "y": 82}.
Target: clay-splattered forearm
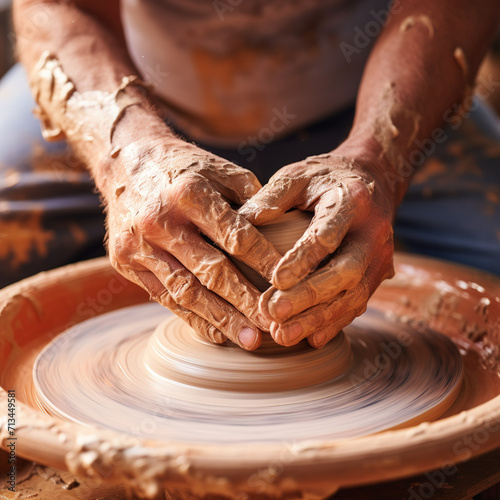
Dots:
{"x": 85, "y": 85}
{"x": 421, "y": 68}
{"x": 161, "y": 192}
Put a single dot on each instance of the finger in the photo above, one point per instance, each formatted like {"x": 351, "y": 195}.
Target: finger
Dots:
{"x": 343, "y": 272}
{"x": 316, "y": 318}
{"x": 281, "y": 194}
{"x": 264, "y": 303}
{"x": 235, "y": 183}
{"x": 214, "y": 271}
{"x": 323, "y": 336}
{"x": 158, "y": 292}
{"x": 187, "y": 292}
{"x": 229, "y": 230}
{"x": 373, "y": 277}
{"x": 334, "y": 216}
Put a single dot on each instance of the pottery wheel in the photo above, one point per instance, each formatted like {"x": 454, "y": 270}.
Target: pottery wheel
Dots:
{"x": 140, "y": 370}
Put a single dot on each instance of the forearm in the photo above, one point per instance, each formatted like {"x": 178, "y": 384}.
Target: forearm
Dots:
{"x": 421, "y": 68}
{"x": 77, "y": 65}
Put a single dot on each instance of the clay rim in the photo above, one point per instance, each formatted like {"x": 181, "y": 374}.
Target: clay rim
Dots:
{"x": 385, "y": 456}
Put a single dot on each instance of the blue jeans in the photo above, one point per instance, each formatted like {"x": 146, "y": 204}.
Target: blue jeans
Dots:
{"x": 50, "y": 214}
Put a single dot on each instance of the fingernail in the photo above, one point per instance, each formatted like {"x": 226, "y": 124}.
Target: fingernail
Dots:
{"x": 282, "y": 308}
{"x": 284, "y": 278}
{"x": 319, "y": 340}
{"x": 247, "y": 337}
{"x": 292, "y": 333}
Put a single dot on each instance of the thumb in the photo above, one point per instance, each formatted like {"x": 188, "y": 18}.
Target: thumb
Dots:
{"x": 235, "y": 183}
{"x": 273, "y": 200}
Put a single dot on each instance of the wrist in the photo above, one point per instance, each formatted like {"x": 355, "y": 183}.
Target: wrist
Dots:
{"x": 121, "y": 166}
{"x": 134, "y": 161}
{"x": 392, "y": 176}
{"x": 97, "y": 124}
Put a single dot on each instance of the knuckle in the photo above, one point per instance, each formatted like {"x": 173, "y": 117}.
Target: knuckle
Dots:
{"x": 311, "y": 293}
{"x": 288, "y": 173}
{"x": 347, "y": 269}
{"x": 183, "y": 287}
{"x": 360, "y": 310}
{"x": 166, "y": 300}
{"x": 226, "y": 323}
{"x": 358, "y": 296}
{"x": 361, "y": 194}
{"x": 214, "y": 276}
{"x": 322, "y": 313}
{"x": 390, "y": 271}
{"x": 321, "y": 241}
{"x": 189, "y": 182}
{"x": 122, "y": 248}
{"x": 201, "y": 327}
{"x": 192, "y": 319}
{"x": 215, "y": 335}
{"x": 247, "y": 178}
{"x": 145, "y": 222}
{"x": 240, "y": 238}
{"x": 250, "y": 178}
{"x": 217, "y": 277}
{"x": 364, "y": 292}
{"x": 188, "y": 188}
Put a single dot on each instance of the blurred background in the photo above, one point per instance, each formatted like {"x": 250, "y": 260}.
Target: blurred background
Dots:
{"x": 490, "y": 67}
{"x": 6, "y": 50}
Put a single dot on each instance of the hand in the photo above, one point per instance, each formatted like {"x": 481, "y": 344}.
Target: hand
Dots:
{"x": 351, "y": 227}
{"x": 162, "y": 198}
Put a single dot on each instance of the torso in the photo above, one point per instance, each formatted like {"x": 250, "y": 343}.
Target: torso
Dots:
{"x": 228, "y": 69}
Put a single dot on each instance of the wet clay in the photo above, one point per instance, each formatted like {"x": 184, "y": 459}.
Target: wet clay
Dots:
{"x": 459, "y": 56}
{"x": 283, "y": 232}
{"x": 117, "y": 371}
{"x": 429, "y": 310}
{"x": 411, "y": 21}
{"x": 82, "y": 118}
{"x": 396, "y": 127}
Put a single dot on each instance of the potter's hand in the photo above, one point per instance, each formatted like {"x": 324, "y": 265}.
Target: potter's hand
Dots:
{"x": 351, "y": 228}
{"x": 170, "y": 196}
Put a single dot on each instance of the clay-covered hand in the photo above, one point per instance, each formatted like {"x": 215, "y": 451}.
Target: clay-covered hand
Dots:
{"x": 326, "y": 279}
{"x": 164, "y": 199}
